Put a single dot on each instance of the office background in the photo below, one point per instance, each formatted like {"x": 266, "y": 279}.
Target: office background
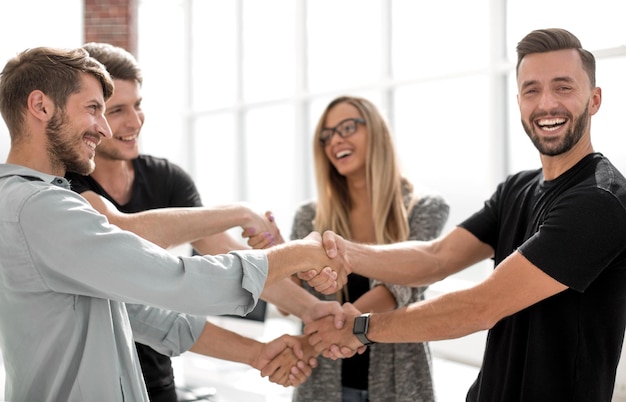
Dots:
{"x": 233, "y": 89}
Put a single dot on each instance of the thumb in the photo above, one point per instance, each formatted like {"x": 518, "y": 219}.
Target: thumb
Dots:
{"x": 330, "y": 244}
{"x": 295, "y": 345}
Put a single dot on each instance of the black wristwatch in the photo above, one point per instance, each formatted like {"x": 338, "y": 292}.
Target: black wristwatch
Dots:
{"x": 361, "y": 325}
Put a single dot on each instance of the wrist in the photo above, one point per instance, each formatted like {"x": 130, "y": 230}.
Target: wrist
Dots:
{"x": 360, "y": 329}
{"x": 255, "y": 355}
{"x": 244, "y": 215}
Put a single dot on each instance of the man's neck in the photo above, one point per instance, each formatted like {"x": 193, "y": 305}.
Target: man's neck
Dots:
{"x": 554, "y": 166}
{"x": 22, "y": 156}
{"x": 116, "y": 178}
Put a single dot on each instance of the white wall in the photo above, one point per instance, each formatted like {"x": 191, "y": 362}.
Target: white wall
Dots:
{"x": 32, "y": 23}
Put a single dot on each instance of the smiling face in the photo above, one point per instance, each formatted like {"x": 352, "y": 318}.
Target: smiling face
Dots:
{"x": 74, "y": 133}
{"x": 556, "y": 101}
{"x": 347, "y": 155}
{"x": 126, "y": 118}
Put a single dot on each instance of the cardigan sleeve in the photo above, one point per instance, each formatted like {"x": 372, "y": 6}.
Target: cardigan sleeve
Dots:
{"x": 427, "y": 217}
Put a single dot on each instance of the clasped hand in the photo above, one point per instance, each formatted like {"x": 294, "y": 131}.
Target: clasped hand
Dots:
{"x": 287, "y": 360}
{"x": 332, "y": 339}
{"x": 333, "y": 276}
{"x": 329, "y": 279}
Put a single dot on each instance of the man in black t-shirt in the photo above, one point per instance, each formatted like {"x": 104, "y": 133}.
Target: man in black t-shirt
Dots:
{"x": 555, "y": 304}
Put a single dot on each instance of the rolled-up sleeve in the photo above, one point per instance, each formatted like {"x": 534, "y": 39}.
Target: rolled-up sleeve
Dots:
{"x": 93, "y": 258}
{"x": 427, "y": 218}
{"x": 254, "y": 268}
{"x": 172, "y": 333}
{"x": 168, "y": 332}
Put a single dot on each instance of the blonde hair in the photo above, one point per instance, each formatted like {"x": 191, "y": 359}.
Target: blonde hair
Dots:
{"x": 384, "y": 180}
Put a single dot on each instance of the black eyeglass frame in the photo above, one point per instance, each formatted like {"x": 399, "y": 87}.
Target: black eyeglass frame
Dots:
{"x": 325, "y": 140}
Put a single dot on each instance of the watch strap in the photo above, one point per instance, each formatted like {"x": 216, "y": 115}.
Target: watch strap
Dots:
{"x": 362, "y": 336}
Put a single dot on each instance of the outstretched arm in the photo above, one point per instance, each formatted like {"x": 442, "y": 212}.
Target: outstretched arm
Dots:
{"x": 220, "y": 243}
{"x": 293, "y": 299}
{"x": 223, "y": 344}
{"x": 169, "y": 227}
{"x": 516, "y": 284}
{"x": 410, "y": 263}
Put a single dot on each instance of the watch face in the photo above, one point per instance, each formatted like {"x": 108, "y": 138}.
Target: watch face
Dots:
{"x": 360, "y": 325}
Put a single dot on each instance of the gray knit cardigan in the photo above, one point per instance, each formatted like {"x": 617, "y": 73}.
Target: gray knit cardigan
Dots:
{"x": 397, "y": 372}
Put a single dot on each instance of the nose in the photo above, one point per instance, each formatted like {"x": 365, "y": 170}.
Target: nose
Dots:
{"x": 103, "y": 127}
{"x": 547, "y": 101}
{"x": 136, "y": 119}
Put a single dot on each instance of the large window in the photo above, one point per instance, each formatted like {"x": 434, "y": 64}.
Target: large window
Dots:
{"x": 234, "y": 89}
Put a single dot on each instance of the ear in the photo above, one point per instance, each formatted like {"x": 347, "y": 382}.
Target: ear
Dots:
{"x": 40, "y": 106}
{"x": 596, "y": 101}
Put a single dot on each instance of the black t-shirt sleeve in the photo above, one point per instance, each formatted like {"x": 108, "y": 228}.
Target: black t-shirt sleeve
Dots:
{"x": 166, "y": 185}
{"x": 580, "y": 235}
{"x": 579, "y": 238}
{"x": 484, "y": 223}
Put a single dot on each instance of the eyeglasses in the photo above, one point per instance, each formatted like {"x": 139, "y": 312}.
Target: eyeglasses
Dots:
{"x": 345, "y": 129}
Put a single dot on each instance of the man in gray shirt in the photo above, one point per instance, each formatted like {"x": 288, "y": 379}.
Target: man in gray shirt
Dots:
{"x": 65, "y": 272}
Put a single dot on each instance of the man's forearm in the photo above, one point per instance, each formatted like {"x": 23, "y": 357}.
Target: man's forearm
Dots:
{"x": 223, "y": 344}
{"x": 417, "y": 263}
{"x": 169, "y": 227}
{"x": 220, "y": 243}
{"x": 409, "y": 263}
{"x": 289, "y": 297}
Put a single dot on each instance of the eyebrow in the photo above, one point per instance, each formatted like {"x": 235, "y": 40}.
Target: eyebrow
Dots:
{"x": 100, "y": 105}
{"x": 563, "y": 79}
{"x": 117, "y": 105}
{"x": 566, "y": 79}
{"x": 343, "y": 121}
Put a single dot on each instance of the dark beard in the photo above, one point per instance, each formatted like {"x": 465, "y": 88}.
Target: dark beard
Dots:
{"x": 572, "y": 136}
{"x": 62, "y": 150}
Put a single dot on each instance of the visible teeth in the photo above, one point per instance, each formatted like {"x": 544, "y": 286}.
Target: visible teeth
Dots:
{"x": 341, "y": 154}
{"x": 128, "y": 138}
{"x": 91, "y": 144}
{"x": 550, "y": 128}
{"x": 550, "y": 122}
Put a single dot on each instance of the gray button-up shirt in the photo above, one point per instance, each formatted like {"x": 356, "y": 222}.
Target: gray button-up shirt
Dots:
{"x": 65, "y": 276}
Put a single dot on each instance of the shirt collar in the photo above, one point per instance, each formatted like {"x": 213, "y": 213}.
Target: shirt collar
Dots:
{"x": 31, "y": 174}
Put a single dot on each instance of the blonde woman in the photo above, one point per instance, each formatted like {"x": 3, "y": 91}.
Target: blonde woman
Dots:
{"x": 364, "y": 197}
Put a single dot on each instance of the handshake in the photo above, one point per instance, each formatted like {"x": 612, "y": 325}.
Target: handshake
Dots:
{"x": 321, "y": 261}
{"x": 289, "y": 360}
{"x": 328, "y": 325}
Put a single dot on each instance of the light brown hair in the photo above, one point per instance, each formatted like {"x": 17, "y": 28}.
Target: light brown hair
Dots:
{"x": 55, "y": 72}
{"x": 120, "y": 63}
